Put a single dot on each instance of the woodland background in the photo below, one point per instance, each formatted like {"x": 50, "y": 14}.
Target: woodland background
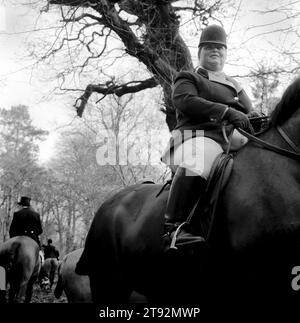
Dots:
{"x": 115, "y": 61}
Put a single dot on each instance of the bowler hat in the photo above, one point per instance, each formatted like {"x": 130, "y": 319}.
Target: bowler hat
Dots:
{"x": 213, "y": 34}
{"x": 25, "y": 201}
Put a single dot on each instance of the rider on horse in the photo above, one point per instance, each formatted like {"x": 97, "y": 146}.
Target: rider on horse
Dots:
{"x": 50, "y": 250}
{"x": 26, "y": 222}
{"x": 203, "y": 99}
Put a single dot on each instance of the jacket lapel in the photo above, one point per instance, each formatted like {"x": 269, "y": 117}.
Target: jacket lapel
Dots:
{"x": 228, "y": 81}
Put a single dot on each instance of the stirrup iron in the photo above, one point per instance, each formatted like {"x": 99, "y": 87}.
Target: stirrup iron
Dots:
{"x": 174, "y": 238}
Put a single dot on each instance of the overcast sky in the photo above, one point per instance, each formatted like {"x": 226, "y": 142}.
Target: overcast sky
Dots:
{"x": 19, "y": 83}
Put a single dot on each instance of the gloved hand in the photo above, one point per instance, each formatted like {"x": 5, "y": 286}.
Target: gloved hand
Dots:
{"x": 238, "y": 119}
{"x": 254, "y": 114}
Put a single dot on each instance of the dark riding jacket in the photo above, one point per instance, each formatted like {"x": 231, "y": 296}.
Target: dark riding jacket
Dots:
{"x": 26, "y": 222}
{"x": 200, "y": 101}
{"x": 50, "y": 252}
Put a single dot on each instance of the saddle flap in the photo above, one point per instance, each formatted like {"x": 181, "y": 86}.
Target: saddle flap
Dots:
{"x": 219, "y": 176}
{"x": 217, "y": 180}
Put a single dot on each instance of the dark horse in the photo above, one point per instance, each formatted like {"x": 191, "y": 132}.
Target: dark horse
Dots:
{"x": 255, "y": 240}
{"x": 76, "y": 288}
{"x": 20, "y": 257}
{"x": 48, "y": 270}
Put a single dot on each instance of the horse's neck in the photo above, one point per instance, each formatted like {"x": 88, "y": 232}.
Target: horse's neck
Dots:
{"x": 271, "y": 136}
{"x": 292, "y": 128}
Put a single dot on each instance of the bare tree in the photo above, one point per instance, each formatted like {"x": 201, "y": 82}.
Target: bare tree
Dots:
{"x": 147, "y": 31}
{"x": 264, "y": 86}
{"x": 130, "y": 138}
{"x": 273, "y": 37}
{"x": 18, "y": 159}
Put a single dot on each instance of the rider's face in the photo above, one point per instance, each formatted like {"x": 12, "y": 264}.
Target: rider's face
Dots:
{"x": 212, "y": 57}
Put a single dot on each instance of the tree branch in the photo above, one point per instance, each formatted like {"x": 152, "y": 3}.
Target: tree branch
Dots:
{"x": 85, "y": 15}
{"x": 111, "y": 88}
{"x": 157, "y": 43}
{"x": 74, "y": 3}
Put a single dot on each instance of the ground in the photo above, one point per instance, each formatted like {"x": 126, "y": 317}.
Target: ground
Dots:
{"x": 46, "y": 296}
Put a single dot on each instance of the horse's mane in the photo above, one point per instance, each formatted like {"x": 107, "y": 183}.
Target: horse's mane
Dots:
{"x": 288, "y": 104}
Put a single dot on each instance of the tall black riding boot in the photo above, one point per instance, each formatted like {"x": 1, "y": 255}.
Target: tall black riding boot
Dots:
{"x": 184, "y": 193}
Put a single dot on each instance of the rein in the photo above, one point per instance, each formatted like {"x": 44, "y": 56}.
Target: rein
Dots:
{"x": 287, "y": 153}
{"x": 287, "y": 139}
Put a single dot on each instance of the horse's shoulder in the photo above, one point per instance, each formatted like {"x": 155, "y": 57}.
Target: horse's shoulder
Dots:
{"x": 141, "y": 191}
{"x": 145, "y": 187}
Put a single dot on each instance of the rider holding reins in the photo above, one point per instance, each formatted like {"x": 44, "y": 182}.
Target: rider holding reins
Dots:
{"x": 203, "y": 99}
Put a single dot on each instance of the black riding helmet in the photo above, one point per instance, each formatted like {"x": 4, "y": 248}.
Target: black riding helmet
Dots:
{"x": 213, "y": 34}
